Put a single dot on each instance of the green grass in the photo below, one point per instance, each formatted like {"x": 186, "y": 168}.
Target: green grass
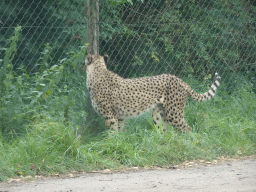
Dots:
{"x": 222, "y": 126}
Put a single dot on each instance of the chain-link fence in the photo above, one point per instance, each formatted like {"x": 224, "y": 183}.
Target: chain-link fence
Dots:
{"x": 41, "y": 73}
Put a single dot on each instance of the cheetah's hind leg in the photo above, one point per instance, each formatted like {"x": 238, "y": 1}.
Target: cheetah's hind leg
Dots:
{"x": 159, "y": 117}
{"x": 177, "y": 120}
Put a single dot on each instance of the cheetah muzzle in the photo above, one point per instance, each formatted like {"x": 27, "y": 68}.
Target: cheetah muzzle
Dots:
{"x": 116, "y": 98}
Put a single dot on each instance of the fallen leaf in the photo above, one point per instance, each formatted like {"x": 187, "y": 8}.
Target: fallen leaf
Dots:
{"x": 71, "y": 175}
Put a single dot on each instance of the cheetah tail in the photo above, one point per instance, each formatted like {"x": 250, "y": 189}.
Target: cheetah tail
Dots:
{"x": 209, "y": 94}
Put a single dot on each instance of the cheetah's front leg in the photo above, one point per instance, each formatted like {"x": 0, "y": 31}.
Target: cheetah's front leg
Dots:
{"x": 112, "y": 124}
{"x": 159, "y": 117}
{"x": 115, "y": 124}
{"x": 121, "y": 124}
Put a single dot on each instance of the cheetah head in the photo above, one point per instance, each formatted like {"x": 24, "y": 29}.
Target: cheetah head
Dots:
{"x": 90, "y": 59}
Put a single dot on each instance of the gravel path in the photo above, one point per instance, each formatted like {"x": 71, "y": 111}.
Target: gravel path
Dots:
{"x": 235, "y": 175}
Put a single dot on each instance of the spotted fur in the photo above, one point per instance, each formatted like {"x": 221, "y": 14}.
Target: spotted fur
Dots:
{"x": 116, "y": 98}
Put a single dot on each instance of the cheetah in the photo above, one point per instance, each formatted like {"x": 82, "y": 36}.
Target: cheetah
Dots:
{"x": 117, "y": 98}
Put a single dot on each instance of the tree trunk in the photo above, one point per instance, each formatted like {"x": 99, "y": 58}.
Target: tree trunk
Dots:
{"x": 93, "y": 26}
{"x": 93, "y": 48}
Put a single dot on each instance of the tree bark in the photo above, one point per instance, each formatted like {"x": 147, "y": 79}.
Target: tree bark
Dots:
{"x": 93, "y": 48}
{"x": 93, "y": 26}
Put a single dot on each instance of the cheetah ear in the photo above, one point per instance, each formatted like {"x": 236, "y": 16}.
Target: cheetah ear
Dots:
{"x": 88, "y": 59}
{"x": 106, "y": 58}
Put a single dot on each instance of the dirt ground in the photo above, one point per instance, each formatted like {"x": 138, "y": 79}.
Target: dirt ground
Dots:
{"x": 219, "y": 175}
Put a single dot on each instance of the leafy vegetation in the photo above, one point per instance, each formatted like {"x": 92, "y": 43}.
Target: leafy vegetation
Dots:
{"x": 181, "y": 37}
{"x": 51, "y": 91}
{"x": 44, "y": 124}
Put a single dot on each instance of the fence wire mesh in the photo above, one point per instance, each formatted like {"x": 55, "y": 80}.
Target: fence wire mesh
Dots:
{"x": 43, "y": 44}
